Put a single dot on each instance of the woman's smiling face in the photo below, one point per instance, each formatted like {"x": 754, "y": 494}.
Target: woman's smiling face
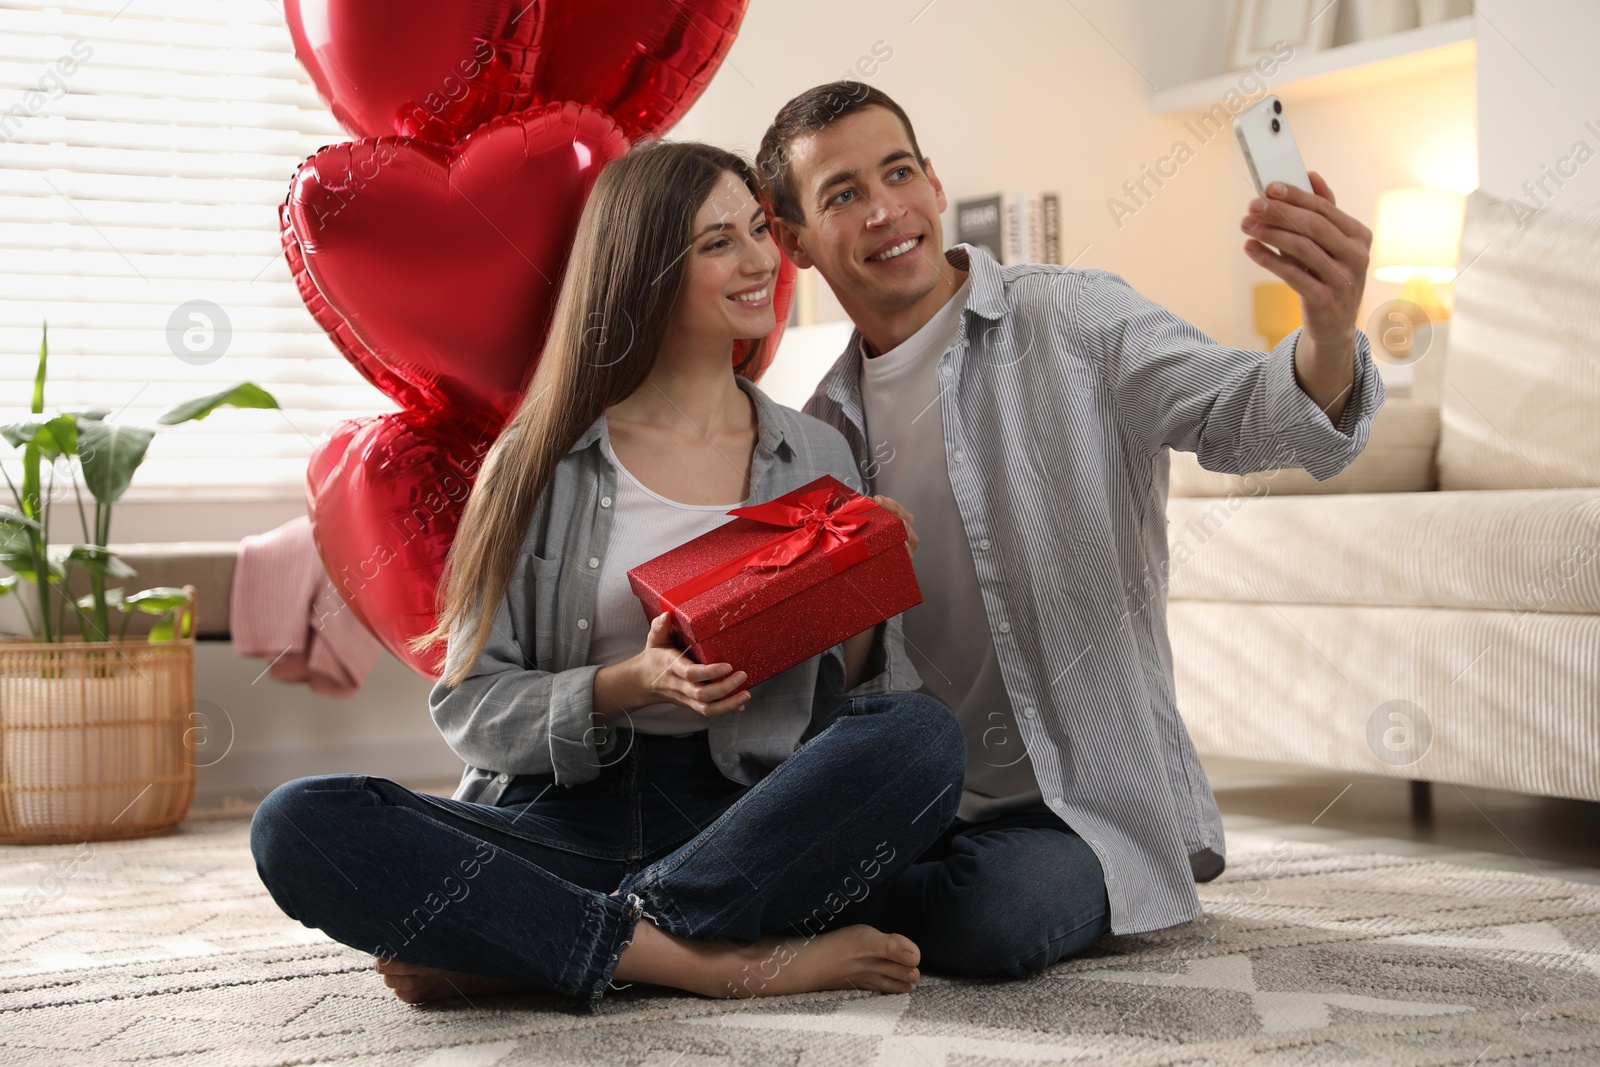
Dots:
{"x": 730, "y": 269}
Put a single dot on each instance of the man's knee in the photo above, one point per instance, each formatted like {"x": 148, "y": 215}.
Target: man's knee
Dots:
{"x": 1018, "y": 913}
{"x": 995, "y": 936}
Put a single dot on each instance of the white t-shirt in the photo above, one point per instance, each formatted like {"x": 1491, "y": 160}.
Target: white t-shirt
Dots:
{"x": 947, "y": 635}
{"x": 645, "y": 525}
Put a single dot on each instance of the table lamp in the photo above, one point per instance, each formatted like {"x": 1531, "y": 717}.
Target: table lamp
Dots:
{"x": 1277, "y": 311}
{"x": 1417, "y": 241}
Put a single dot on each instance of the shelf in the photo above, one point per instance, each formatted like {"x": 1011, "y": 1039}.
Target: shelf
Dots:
{"x": 1443, "y": 46}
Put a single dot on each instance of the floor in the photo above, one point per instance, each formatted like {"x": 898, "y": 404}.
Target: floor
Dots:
{"x": 1486, "y": 828}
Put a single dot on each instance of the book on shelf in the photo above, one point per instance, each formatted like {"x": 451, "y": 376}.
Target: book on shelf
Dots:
{"x": 1013, "y": 227}
{"x": 980, "y": 222}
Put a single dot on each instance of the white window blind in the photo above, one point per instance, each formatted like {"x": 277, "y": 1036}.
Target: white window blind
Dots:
{"x": 146, "y": 146}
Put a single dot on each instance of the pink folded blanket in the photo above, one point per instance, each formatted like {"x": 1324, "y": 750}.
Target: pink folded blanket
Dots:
{"x": 284, "y": 608}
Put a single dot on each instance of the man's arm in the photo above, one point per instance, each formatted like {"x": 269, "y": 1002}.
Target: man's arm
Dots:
{"x": 1308, "y": 403}
{"x": 1239, "y": 411}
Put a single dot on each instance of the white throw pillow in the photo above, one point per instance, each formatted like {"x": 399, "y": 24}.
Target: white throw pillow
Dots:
{"x": 1521, "y": 402}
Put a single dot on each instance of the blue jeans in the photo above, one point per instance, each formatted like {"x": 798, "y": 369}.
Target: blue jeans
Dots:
{"x": 1004, "y": 897}
{"x": 521, "y": 890}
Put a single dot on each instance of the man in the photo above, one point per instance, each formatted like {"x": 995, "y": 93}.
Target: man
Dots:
{"x": 1023, "y": 415}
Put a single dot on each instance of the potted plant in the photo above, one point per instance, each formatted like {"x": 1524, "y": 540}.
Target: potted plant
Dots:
{"x": 94, "y": 739}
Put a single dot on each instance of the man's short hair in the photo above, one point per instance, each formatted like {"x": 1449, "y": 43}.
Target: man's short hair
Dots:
{"x": 811, "y": 112}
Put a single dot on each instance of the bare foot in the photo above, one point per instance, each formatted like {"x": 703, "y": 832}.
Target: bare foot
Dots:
{"x": 414, "y": 983}
{"x": 852, "y": 957}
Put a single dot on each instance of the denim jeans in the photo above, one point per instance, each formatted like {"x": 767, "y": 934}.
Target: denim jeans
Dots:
{"x": 1004, "y": 897}
{"x": 521, "y": 890}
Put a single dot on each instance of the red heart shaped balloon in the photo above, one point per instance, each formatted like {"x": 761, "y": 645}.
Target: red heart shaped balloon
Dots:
{"x": 385, "y": 494}
{"x": 436, "y": 71}
{"x": 439, "y": 267}
{"x": 409, "y": 387}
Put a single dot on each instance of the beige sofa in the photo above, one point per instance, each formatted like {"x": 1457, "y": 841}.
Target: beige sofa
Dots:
{"x": 1432, "y": 612}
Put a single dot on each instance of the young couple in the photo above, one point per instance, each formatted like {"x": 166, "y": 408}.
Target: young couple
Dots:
{"x": 981, "y": 786}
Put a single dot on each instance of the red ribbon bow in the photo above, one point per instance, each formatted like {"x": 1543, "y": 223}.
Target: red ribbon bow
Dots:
{"x": 811, "y": 517}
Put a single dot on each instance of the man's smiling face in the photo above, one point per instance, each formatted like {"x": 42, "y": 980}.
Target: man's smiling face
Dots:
{"x": 872, "y": 212}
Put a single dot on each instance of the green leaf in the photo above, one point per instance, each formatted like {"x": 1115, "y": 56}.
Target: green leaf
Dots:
{"x": 113, "y": 599}
{"x": 162, "y": 631}
{"x": 8, "y": 584}
{"x": 38, "y": 376}
{"x": 21, "y": 563}
{"x": 57, "y": 436}
{"x": 243, "y": 395}
{"x": 91, "y": 413}
{"x": 162, "y": 598}
{"x": 16, "y": 540}
{"x": 110, "y": 453}
{"x": 13, "y": 519}
{"x": 20, "y": 433}
{"x": 100, "y": 560}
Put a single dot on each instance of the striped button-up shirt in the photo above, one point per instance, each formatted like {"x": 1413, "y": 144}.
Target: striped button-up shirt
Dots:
{"x": 526, "y": 705}
{"x": 1061, "y": 396}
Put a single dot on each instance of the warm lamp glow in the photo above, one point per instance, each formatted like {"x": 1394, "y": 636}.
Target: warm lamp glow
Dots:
{"x": 1277, "y": 311}
{"x": 1418, "y": 232}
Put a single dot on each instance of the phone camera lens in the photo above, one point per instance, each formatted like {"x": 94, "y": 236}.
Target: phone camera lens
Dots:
{"x": 1277, "y": 107}
{"x": 1275, "y": 125}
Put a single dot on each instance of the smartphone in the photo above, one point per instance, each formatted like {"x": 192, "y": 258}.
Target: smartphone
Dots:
{"x": 1269, "y": 148}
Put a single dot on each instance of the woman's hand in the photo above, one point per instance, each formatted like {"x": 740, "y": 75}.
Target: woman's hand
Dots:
{"x": 894, "y": 508}
{"x": 662, "y": 674}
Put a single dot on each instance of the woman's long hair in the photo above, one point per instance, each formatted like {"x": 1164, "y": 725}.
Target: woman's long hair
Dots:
{"x": 621, "y": 284}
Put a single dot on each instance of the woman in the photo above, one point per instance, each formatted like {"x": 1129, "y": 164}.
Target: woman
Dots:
{"x": 626, "y": 813}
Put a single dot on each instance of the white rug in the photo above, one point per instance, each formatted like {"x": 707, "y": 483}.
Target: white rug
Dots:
{"x": 168, "y": 950}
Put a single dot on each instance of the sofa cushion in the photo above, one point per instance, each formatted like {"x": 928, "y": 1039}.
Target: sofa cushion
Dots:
{"x": 1523, "y": 550}
{"x": 1521, "y": 401}
{"x": 1398, "y": 458}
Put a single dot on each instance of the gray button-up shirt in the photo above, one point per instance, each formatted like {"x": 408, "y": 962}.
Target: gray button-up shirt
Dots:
{"x": 1061, "y": 396}
{"x": 526, "y": 705}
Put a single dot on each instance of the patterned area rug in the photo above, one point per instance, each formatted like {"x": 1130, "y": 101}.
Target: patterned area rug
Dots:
{"x": 168, "y": 950}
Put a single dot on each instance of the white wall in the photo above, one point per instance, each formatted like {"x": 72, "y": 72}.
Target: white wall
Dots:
{"x": 1539, "y": 95}
{"x": 1026, "y": 94}
{"x": 1037, "y": 94}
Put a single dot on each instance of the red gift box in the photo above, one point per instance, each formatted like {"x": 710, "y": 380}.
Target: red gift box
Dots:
{"x": 784, "y": 581}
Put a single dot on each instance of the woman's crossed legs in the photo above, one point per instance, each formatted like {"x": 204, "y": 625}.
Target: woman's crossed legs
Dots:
{"x": 472, "y": 894}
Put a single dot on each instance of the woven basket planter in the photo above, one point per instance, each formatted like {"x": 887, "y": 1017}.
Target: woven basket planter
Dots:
{"x": 94, "y": 737}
